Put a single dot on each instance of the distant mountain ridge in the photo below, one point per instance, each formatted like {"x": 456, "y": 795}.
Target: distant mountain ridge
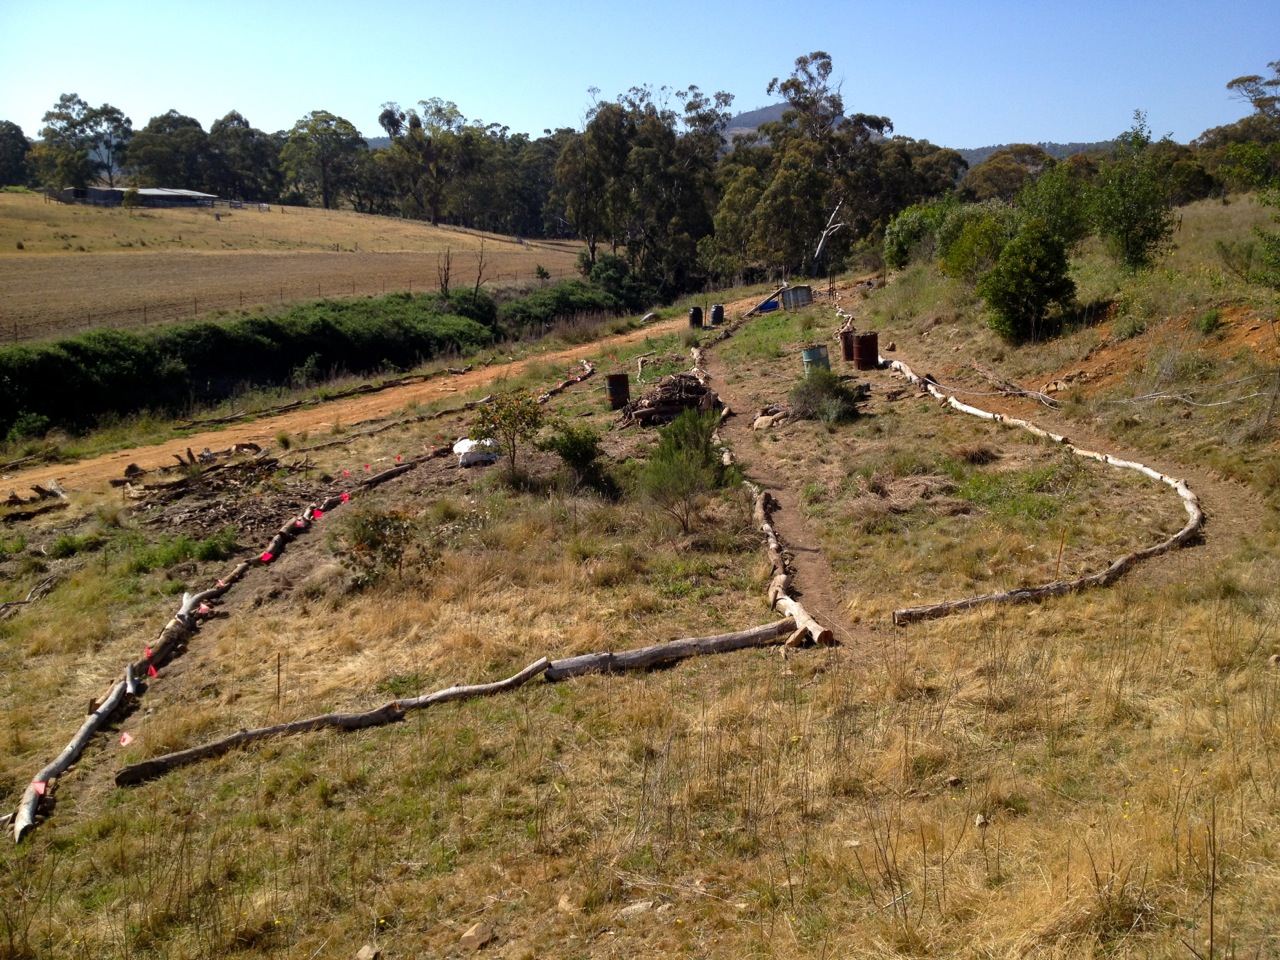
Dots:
{"x": 749, "y": 121}
{"x": 1058, "y": 151}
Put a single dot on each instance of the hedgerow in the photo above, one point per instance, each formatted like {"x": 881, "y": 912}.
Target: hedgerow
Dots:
{"x": 74, "y": 382}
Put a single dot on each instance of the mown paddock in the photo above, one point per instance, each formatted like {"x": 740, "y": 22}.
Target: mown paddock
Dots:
{"x": 164, "y": 265}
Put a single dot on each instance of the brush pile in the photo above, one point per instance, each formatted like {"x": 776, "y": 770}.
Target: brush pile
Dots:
{"x": 670, "y": 397}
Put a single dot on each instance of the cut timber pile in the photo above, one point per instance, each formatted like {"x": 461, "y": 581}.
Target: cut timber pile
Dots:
{"x": 670, "y": 397}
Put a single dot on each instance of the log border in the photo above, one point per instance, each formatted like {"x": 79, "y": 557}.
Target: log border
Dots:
{"x": 1190, "y": 502}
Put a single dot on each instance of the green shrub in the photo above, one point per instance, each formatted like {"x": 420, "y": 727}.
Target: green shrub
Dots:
{"x": 1128, "y": 327}
{"x": 174, "y": 550}
{"x": 510, "y": 419}
{"x": 1029, "y": 278}
{"x": 823, "y": 396}
{"x": 1209, "y": 322}
{"x": 579, "y": 446}
{"x": 27, "y": 426}
{"x": 116, "y": 372}
{"x": 977, "y": 247}
{"x": 377, "y": 542}
{"x": 912, "y": 234}
{"x": 683, "y": 468}
{"x": 568, "y": 298}
{"x": 68, "y": 545}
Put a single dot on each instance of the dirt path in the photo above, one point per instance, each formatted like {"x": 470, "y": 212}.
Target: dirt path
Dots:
{"x": 89, "y": 474}
{"x": 813, "y": 577}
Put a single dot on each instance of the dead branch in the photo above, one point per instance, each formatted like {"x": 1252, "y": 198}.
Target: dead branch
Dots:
{"x": 41, "y": 589}
{"x": 564, "y": 385}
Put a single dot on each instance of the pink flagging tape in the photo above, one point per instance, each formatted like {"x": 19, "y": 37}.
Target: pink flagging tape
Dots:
{"x": 151, "y": 670}
{"x": 204, "y": 610}
{"x": 39, "y": 786}
{"x": 346, "y": 497}
{"x": 126, "y": 738}
{"x": 317, "y": 514}
{"x": 267, "y": 556}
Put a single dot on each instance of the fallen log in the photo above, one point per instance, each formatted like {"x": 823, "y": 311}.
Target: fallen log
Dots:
{"x": 388, "y": 713}
{"x": 25, "y": 817}
{"x": 471, "y": 691}
{"x": 659, "y": 654}
{"x": 150, "y": 769}
{"x": 565, "y": 384}
{"x": 1190, "y": 502}
{"x": 780, "y": 598}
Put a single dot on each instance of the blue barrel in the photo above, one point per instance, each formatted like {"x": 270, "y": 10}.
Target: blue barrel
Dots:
{"x": 695, "y": 318}
{"x": 815, "y": 356}
{"x": 717, "y": 314}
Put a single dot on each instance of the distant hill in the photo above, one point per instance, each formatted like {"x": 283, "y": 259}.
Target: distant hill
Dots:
{"x": 749, "y": 121}
{"x": 1056, "y": 150}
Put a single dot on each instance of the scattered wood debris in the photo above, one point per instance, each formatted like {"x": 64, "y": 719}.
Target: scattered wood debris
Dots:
{"x": 666, "y": 400}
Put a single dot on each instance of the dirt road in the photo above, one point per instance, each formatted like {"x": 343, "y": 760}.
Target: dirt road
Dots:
{"x": 88, "y": 474}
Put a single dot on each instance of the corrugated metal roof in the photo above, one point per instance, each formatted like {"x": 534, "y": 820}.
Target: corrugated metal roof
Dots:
{"x": 173, "y": 192}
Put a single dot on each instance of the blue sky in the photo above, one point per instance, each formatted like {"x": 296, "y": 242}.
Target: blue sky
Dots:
{"x": 959, "y": 74}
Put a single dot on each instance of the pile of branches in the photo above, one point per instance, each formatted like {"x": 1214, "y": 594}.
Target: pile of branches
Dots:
{"x": 670, "y": 397}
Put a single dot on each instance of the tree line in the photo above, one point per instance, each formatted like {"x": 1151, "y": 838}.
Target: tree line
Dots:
{"x": 662, "y": 203}
{"x": 1011, "y": 228}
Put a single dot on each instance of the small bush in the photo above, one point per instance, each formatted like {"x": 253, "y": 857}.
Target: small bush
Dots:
{"x": 824, "y": 397}
{"x": 1029, "y": 278}
{"x": 510, "y": 419}
{"x": 1128, "y": 327}
{"x": 1209, "y": 323}
{"x": 68, "y": 545}
{"x": 175, "y": 550}
{"x": 377, "y": 543}
{"x": 27, "y": 426}
{"x": 683, "y": 469}
{"x": 579, "y": 447}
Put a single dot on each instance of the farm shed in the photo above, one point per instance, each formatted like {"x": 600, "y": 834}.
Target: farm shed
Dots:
{"x": 147, "y": 196}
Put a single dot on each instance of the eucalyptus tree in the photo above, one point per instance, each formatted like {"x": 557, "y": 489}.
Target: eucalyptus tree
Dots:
{"x": 322, "y": 155}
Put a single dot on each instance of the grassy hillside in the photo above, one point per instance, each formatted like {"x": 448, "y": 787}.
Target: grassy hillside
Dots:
{"x": 66, "y": 268}
{"x": 1092, "y": 776}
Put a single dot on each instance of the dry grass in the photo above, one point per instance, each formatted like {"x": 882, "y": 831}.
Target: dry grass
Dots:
{"x": 80, "y": 267}
{"x": 45, "y": 227}
{"x": 1083, "y": 778}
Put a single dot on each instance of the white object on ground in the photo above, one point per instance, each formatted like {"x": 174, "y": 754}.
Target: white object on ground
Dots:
{"x": 475, "y": 452}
